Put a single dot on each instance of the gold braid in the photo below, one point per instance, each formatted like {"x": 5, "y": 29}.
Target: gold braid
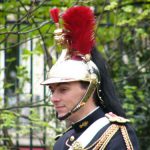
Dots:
{"x": 106, "y": 137}
{"x": 102, "y": 142}
{"x": 109, "y": 133}
{"x": 126, "y": 137}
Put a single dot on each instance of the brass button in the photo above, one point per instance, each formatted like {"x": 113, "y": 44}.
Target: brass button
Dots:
{"x": 72, "y": 138}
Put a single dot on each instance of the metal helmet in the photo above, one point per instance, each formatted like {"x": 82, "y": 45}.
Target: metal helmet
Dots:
{"x": 68, "y": 70}
{"x": 74, "y": 64}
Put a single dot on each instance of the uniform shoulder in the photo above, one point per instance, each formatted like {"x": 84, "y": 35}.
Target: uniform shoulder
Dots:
{"x": 113, "y": 118}
{"x": 116, "y": 135}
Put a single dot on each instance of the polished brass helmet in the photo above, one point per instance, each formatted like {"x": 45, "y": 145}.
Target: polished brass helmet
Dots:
{"x": 68, "y": 70}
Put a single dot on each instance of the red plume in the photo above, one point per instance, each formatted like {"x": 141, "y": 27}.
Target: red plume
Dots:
{"x": 79, "y": 21}
{"x": 54, "y": 13}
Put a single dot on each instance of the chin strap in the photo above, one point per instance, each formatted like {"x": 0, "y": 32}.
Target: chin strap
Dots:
{"x": 91, "y": 88}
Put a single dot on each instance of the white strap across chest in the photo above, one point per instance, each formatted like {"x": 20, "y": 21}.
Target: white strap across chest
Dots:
{"x": 85, "y": 138}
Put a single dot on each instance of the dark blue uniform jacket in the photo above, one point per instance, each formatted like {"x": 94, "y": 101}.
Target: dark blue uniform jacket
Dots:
{"x": 116, "y": 142}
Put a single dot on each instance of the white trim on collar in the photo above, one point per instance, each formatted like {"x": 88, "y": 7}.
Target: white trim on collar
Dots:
{"x": 86, "y": 115}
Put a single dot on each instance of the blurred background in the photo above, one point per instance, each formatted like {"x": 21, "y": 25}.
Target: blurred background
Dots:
{"x": 27, "y": 52}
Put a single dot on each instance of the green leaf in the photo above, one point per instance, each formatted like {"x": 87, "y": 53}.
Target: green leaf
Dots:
{"x": 112, "y": 6}
{"x": 8, "y": 85}
{"x": 128, "y": 9}
{"x": 11, "y": 59}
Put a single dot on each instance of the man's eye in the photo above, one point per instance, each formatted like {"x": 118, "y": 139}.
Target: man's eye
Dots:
{"x": 63, "y": 89}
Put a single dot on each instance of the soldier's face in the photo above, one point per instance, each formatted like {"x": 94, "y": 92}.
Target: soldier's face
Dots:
{"x": 65, "y": 96}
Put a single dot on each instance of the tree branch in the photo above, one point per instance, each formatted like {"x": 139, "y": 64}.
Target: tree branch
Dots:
{"x": 21, "y": 19}
{"x": 48, "y": 56}
{"x": 37, "y": 28}
{"x": 135, "y": 72}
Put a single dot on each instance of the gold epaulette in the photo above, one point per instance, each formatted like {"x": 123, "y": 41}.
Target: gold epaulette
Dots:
{"x": 117, "y": 119}
{"x": 109, "y": 133}
{"x": 111, "y": 130}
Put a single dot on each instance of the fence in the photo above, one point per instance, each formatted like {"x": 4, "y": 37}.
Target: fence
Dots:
{"x": 23, "y": 99}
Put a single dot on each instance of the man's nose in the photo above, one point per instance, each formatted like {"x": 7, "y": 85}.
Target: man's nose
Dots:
{"x": 55, "y": 97}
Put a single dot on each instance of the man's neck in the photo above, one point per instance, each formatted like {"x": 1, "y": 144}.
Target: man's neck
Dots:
{"x": 88, "y": 114}
{"x": 80, "y": 115}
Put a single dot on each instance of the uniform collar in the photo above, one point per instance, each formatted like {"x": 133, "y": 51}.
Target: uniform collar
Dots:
{"x": 83, "y": 124}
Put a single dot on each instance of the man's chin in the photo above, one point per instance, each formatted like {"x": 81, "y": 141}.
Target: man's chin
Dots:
{"x": 60, "y": 116}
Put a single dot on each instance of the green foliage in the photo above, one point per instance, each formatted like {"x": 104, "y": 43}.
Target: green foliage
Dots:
{"x": 8, "y": 121}
{"x": 122, "y": 35}
{"x": 3, "y": 148}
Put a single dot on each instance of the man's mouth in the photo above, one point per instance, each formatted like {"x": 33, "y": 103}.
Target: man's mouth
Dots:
{"x": 59, "y": 108}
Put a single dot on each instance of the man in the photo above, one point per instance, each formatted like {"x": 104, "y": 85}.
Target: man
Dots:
{"x": 82, "y": 91}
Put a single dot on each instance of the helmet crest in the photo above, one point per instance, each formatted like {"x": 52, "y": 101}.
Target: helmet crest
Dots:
{"x": 79, "y": 22}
